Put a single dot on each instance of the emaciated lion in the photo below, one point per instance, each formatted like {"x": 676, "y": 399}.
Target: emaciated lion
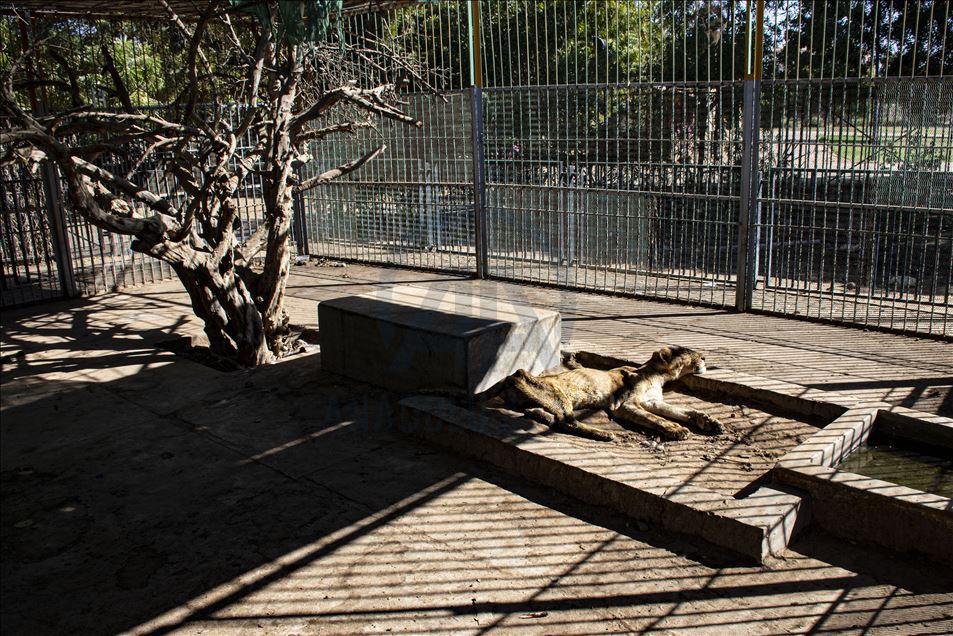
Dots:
{"x": 552, "y": 399}
{"x": 630, "y": 394}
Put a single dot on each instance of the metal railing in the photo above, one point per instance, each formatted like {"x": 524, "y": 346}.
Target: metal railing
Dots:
{"x": 788, "y": 156}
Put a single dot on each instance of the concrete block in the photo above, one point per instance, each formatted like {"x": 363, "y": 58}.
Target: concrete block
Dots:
{"x": 780, "y": 515}
{"x": 926, "y": 428}
{"x": 862, "y": 508}
{"x": 408, "y": 338}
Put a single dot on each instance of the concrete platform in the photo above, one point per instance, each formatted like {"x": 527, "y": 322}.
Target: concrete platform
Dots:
{"x": 407, "y": 338}
{"x": 755, "y": 527}
{"x": 803, "y": 486}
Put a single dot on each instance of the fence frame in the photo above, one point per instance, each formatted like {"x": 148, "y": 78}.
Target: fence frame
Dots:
{"x": 749, "y": 210}
{"x": 749, "y": 223}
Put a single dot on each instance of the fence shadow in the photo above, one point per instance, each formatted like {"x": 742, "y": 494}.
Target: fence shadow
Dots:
{"x": 143, "y": 492}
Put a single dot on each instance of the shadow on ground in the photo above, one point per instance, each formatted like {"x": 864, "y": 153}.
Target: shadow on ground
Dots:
{"x": 126, "y": 498}
{"x": 144, "y": 492}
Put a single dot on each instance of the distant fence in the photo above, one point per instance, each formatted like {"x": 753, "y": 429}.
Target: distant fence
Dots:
{"x": 787, "y": 157}
{"x": 797, "y": 163}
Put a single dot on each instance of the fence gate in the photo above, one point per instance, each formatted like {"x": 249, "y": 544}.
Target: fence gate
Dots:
{"x": 30, "y": 265}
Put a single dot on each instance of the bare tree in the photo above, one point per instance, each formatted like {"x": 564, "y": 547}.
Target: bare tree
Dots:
{"x": 282, "y": 95}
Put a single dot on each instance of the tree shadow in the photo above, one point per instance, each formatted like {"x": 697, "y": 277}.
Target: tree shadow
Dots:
{"x": 116, "y": 512}
{"x": 144, "y": 492}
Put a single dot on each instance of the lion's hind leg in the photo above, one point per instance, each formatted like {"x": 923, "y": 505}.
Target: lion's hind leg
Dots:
{"x": 568, "y": 425}
{"x": 586, "y": 430}
{"x": 536, "y": 398}
{"x": 635, "y": 414}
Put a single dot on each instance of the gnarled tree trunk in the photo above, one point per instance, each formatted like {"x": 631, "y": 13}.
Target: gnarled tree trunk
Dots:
{"x": 243, "y": 309}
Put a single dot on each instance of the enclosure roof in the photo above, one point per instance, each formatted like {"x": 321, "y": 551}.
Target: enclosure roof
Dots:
{"x": 152, "y": 10}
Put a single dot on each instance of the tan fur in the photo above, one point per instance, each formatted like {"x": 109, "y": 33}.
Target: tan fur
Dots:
{"x": 643, "y": 402}
{"x": 631, "y": 394}
{"x": 553, "y": 399}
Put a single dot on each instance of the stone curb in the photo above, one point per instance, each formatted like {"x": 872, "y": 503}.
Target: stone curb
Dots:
{"x": 755, "y": 527}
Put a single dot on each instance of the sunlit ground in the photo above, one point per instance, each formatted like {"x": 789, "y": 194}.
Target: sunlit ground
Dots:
{"x": 145, "y": 493}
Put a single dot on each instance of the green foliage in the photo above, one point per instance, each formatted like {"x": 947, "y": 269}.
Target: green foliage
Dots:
{"x": 609, "y": 41}
{"x": 299, "y": 21}
{"x": 141, "y": 55}
{"x": 702, "y": 41}
{"x": 587, "y": 41}
{"x": 866, "y": 38}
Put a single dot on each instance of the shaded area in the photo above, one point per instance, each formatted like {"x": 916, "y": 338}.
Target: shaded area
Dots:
{"x": 144, "y": 492}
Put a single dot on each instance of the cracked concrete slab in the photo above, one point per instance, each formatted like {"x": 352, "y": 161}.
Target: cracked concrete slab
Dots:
{"x": 187, "y": 532}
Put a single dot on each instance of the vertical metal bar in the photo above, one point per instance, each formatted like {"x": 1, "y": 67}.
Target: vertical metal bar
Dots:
{"x": 477, "y": 133}
{"x": 300, "y": 227}
{"x": 57, "y": 215}
{"x": 748, "y": 214}
{"x": 51, "y": 190}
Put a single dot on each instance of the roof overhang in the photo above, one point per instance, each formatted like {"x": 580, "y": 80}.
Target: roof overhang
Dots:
{"x": 149, "y": 10}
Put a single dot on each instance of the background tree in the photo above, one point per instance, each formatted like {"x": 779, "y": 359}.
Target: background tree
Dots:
{"x": 271, "y": 78}
{"x": 865, "y": 38}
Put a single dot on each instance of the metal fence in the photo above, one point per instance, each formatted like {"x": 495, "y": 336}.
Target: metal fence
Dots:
{"x": 48, "y": 250}
{"x": 788, "y": 156}
{"x": 29, "y": 262}
{"x": 784, "y": 156}
{"x": 414, "y": 205}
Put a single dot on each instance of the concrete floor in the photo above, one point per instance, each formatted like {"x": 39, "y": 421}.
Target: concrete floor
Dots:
{"x": 145, "y": 493}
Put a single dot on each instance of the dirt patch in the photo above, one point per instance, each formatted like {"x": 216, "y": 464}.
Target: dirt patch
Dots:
{"x": 753, "y": 441}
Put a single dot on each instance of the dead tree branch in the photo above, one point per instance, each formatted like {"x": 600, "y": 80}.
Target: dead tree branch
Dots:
{"x": 280, "y": 99}
{"x": 340, "y": 171}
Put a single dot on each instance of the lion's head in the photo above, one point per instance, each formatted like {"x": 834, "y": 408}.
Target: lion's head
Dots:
{"x": 677, "y": 361}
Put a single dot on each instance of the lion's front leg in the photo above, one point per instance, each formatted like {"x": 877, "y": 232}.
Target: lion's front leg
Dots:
{"x": 635, "y": 414}
{"x": 690, "y": 416}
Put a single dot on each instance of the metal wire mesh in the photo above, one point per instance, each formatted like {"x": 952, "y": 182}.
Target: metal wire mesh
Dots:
{"x": 627, "y": 203}
{"x": 606, "y": 149}
{"x": 614, "y": 146}
{"x": 857, "y": 222}
{"x": 413, "y": 205}
{"x": 609, "y": 124}
{"x": 29, "y": 271}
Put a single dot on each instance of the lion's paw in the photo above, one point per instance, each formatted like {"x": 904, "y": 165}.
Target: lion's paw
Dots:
{"x": 677, "y": 433}
{"x": 707, "y": 423}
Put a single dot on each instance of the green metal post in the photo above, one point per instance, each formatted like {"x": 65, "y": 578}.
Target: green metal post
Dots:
{"x": 476, "y": 123}
{"x": 749, "y": 209}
